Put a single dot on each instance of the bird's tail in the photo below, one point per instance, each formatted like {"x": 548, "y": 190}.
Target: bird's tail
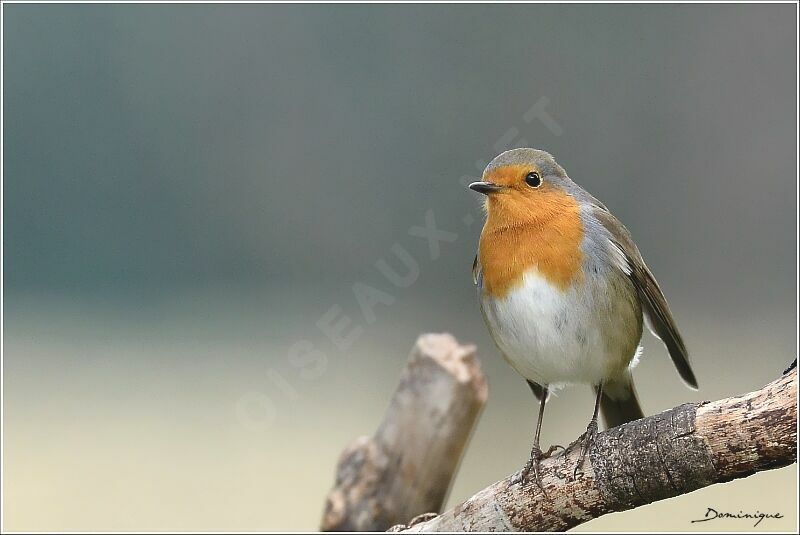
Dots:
{"x": 619, "y": 403}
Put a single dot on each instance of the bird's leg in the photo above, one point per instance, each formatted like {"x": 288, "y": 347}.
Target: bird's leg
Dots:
{"x": 536, "y": 453}
{"x": 591, "y": 431}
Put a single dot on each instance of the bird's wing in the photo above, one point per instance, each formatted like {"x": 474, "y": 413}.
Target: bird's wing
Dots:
{"x": 476, "y": 271}
{"x": 660, "y": 320}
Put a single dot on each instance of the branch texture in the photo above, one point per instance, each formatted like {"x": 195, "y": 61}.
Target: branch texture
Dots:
{"x": 658, "y": 457}
{"x": 406, "y": 468}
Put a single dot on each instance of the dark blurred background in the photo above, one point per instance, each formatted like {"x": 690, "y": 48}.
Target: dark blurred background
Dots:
{"x": 190, "y": 190}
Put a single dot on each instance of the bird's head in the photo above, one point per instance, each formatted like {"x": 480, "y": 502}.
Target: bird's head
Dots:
{"x": 524, "y": 184}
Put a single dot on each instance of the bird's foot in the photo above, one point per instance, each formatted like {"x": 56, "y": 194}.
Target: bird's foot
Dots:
{"x": 533, "y": 466}
{"x": 586, "y": 438}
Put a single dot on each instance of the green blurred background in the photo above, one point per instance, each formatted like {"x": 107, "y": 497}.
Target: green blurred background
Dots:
{"x": 188, "y": 190}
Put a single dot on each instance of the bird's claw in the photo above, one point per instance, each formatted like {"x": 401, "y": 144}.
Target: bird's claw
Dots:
{"x": 533, "y": 466}
{"x": 552, "y": 449}
{"x": 586, "y": 438}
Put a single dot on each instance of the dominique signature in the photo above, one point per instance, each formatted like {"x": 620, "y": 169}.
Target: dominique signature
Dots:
{"x": 758, "y": 516}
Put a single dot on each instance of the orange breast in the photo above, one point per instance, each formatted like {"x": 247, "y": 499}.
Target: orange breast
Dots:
{"x": 541, "y": 232}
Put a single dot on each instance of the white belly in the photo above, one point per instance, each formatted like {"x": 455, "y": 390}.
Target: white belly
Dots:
{"x": 586, "y": 334}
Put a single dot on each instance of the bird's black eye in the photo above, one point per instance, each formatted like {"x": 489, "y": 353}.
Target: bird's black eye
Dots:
{"x": 533, "y": 179}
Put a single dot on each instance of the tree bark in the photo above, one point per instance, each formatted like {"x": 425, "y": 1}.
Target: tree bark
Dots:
{"x": 406, "y": 468}
{"x": 683, "y": 449}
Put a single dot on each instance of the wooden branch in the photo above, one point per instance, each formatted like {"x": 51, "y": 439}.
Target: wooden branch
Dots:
{"x": 672, "y": 453}
{"x": 406, "y": 468}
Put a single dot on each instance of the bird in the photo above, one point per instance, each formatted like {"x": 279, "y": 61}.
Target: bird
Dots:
{"x": 564, "y": 292}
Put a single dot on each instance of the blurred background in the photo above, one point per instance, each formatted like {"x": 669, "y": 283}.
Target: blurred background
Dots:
{"x": 191, "y": 192}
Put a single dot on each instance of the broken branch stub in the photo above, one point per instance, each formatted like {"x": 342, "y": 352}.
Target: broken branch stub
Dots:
{"x": 406, "y": 468}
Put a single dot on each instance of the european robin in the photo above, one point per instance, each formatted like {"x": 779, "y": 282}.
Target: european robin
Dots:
{"x": 563, "y": 290}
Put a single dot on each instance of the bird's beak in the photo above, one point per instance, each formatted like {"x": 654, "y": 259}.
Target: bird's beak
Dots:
{"x": 485, "y": 187}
